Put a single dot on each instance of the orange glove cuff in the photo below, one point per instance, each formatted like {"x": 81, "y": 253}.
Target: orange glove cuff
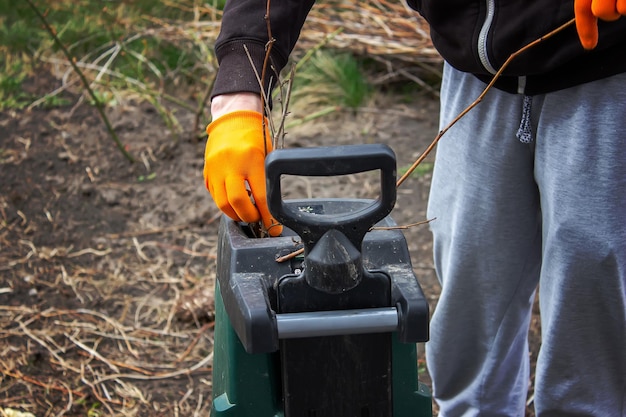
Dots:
{"x": 237, "y": 123}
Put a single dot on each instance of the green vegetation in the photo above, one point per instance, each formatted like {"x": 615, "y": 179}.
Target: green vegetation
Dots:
{"x": 160, "y": 52}
{"x": 331, "y": 79}
{"x": 127, "y": 45}
{"x": 12, "y": 74}
{"x": 140, "y": 47}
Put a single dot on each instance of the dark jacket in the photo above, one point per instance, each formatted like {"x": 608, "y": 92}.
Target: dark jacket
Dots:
{"x": 475, "y": 36}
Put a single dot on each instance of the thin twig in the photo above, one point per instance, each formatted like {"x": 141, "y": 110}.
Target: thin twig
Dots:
{"x": 115, "y": 325}
{"x": 167, "y": 375}
{"x": 200, "y": 109}
{"x": 480, "y": 98}
{"x": 92, "y": 352}
{"x": 290, "y": 255}
{"x": 403, "y": 227}
{"x": 122, "y": 365}
{"x": 279, "y": 136}
{"x": 194, "y": 342}
{"x": 268, "y": 50}
{"x": 43, "y": 344}
{"x": 30, "y": 380}
{"x": 97, "y": 102}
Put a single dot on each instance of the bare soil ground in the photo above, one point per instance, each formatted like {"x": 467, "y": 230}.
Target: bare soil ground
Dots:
{"x": 107, "y": 267}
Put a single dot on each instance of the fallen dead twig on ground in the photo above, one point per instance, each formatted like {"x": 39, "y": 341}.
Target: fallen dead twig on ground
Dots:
{"x": 204, "y": 362}
{"x": 48, "y": 386}
{"x": 100, "y": 366}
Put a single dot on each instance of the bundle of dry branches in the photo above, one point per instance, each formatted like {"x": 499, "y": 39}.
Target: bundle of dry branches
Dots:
{"x": 383, "y": 28}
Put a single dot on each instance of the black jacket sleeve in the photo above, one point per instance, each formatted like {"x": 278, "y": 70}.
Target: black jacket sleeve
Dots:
{"x": 244, "y": 28}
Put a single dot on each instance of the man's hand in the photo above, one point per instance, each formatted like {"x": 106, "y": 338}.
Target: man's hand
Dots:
{"x": 587, "y": 13}
{"x": 234, "y": 167}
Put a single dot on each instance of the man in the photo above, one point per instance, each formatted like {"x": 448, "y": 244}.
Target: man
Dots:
{"x": 529, "y": 190}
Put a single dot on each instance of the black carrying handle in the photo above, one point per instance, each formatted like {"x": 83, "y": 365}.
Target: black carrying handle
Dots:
{"x": 331, "y": 161}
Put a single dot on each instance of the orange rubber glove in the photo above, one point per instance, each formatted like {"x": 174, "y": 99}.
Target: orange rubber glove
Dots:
{"x": 587, "y": 13}
{"x": 235, "y": 155}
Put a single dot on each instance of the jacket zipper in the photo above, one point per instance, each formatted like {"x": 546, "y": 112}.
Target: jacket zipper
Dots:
{"x": 483, "y": 35}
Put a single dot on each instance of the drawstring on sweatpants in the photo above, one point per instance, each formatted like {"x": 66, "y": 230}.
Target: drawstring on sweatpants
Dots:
{"x": 525, "y": 131}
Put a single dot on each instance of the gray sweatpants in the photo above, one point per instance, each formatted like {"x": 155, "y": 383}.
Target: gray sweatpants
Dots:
{"x": 512, "y": 217}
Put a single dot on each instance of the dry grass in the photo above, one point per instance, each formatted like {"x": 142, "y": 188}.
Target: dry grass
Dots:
{"x": 386, "y": 31}
{"x": 134, "y": 329}
{"x": 383, "y": 30}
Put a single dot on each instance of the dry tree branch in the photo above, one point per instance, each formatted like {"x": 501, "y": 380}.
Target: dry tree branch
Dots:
{"x": 264, "y": 98}
{"x": 97, "y": 102}
{"x": 300, "y": 251}
{"x": 268, "y": 50}
{"x": 279, "y": 135}
{"x": 403, "y": 227}
{"x": 454, "y": 121}
{"x": 290, "y": 255}
{"x": 480, "y": 97}
{"x": 429, "y": 149}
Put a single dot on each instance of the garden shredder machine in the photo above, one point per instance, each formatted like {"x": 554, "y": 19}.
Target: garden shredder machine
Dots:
{"x": 331, "y": 333}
